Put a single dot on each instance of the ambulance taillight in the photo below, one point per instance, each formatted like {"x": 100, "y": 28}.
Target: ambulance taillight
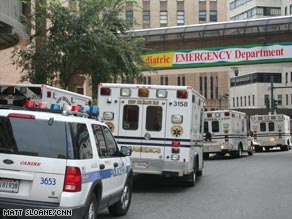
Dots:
{"x": 183, "y": 94}
{"x": 175, "y": 143}
{"x": 105, "y": 91}
{"x": 226, "y": 138}
{"x": 143, "y": 92}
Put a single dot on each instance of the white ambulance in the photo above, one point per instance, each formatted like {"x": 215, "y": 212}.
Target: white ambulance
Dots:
{"x": 225, "y": 131}
{"x": 17, "y": 94}
{"x": 271, "y": 131}
{"x": 162, "y": 124}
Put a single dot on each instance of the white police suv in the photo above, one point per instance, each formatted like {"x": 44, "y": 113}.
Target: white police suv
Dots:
{"x": 60, "y": 164}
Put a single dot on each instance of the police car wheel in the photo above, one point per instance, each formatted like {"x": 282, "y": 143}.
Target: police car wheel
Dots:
{"x": 122, "y": 206}
{"x": 91, "y": 212}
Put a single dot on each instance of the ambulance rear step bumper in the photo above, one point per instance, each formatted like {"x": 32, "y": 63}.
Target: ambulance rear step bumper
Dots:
{"x": 159, "y": 167}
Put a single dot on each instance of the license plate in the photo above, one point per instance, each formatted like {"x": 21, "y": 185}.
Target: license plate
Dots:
{"x": 9, "y": 185}
{"x": 212, "y": 148}
{"x": 141, "y": 164}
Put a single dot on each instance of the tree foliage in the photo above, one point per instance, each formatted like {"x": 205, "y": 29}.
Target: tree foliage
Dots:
{"x": 90, "y": 39}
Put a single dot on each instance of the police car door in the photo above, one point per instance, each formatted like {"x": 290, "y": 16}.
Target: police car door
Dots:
{"x": 143, "y": 128}
{"x": 112, "y": 169}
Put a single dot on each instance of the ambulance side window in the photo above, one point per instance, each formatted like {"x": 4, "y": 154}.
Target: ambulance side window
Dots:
{"x": 263, "y": 127}
{"x": 215, "y": 126}
{"x": 99, "y": 140}
{"x": 271, "y": 126}
{"x": 153, "y": 118}
{"x": 130, "y": 117}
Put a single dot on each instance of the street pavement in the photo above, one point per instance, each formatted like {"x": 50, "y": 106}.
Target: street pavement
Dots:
{"x": 251, "y": 187}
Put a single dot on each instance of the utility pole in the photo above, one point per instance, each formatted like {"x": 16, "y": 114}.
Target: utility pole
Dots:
{"x": 272, "y": 95}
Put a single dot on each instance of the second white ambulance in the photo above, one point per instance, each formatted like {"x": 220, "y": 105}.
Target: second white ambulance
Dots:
{"x": 226, "y": 132}
{"x": 162, "y": 124}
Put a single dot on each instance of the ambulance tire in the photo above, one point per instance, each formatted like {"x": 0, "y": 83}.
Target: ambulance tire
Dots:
{"x": 91, "y": 212}
{"x": 206, "y": 156}
{"x": 199, "y": 173}
{"x": 238, "y": 153}
{"x": 190, "y": 179}
{"x": 122, "y": 206}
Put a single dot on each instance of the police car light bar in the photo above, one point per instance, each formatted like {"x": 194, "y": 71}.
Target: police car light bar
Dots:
{"x": 82, "y": 111}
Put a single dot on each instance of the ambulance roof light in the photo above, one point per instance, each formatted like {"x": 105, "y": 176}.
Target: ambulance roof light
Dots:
{"x": 183, "y": 94}
{"x": 125, "y": 92}
{"x": 143, "y": 92}
{"x": 105, "y": 91}
{"x": 161, "y": 93}
{"x": 49, "y": 94}
{"x": 226, "y": 113}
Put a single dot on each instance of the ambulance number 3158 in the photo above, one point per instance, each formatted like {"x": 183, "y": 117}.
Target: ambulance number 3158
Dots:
{"x": 180, "y": 103}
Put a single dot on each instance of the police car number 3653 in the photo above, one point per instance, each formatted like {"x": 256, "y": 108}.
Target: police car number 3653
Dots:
{"x": 48, "y": 181}
{"x": 180, "y": 103}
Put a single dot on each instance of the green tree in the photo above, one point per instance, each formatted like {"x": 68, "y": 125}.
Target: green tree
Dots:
{"x": 90, "y": 39}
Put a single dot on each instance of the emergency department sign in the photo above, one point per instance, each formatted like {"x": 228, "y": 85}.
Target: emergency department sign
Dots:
{"x": 252, "y": 54}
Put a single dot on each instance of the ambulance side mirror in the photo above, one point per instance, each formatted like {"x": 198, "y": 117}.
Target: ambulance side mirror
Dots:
{"x": 126, "y": 151}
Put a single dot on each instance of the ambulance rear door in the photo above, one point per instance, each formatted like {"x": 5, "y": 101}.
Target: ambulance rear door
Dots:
{"x": 142, "y": 126}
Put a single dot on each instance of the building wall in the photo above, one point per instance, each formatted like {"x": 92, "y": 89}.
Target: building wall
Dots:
{"x": 191, "y": 11}
{"x": 190, "y": 8}
{"x": 286, "y": 7}
{"x": 247, "y": 9}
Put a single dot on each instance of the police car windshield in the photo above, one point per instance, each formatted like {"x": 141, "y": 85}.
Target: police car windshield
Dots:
{"x": 33, "y": 137}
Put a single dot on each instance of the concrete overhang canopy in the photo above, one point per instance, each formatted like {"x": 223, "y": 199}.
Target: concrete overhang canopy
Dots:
{"x": 218, "y": 29}
{"x": 11, "y": 32}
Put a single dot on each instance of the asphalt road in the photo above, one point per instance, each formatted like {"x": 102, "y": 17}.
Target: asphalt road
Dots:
{"x": 252, "y": 187}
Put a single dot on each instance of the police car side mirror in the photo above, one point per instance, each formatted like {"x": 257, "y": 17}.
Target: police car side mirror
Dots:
{"x": 126, "y": 151}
